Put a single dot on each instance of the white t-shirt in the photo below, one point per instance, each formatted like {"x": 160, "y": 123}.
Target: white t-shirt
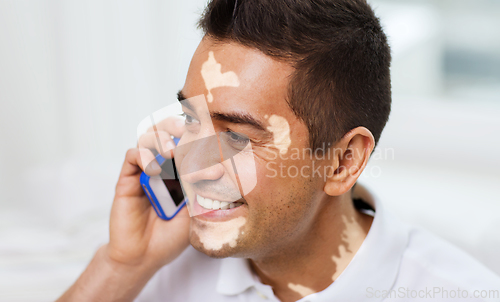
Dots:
{"x": 396, "y": 262}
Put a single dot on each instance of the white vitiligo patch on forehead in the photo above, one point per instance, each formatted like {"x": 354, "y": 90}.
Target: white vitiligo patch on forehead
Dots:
{"x": 300, "y": 289}
{"x": 215, "y": 235}
{"x": 281, "y": 132}
{"x": 213, "y": 77}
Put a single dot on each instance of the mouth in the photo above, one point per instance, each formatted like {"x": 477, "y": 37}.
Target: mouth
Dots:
{"x": 214, "y": 204}
{"x": 215, "y": 210}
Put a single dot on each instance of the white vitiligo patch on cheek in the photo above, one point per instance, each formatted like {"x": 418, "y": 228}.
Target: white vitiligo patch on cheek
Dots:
{"x": 281, "y": 132}
{"x": 300, "y": 289}
{"x": 213, "y": 77}
{"x": 216, "y": 234}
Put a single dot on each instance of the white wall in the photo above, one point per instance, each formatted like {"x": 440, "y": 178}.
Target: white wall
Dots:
{"x": 76, "y": 77}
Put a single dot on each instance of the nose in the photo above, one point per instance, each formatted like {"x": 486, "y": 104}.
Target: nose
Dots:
{"x": 202, "y": 160}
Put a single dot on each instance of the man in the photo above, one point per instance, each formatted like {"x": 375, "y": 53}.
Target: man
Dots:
{"x": 307, "y": 85}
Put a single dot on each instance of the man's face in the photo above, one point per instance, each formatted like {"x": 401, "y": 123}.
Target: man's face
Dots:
{"x": 244, "y": 104}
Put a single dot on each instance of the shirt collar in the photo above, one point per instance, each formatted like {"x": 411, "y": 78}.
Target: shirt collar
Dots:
{"x": 375, "y": 265}
{"x": 235, "y": 276}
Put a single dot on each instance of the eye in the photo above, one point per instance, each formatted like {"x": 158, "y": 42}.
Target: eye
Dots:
{"x": 189, "y": 120}
{"x": 192, "y": 124}
{"x": 237, "y": 140}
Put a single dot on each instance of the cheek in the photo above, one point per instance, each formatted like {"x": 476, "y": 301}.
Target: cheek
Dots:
{"x": 182, "y": 148}
{"x": 246, "y": 171}
{"x": 275, "y": 194}
{"x": 282, "y": 190}
{"x": 278, "y": 216}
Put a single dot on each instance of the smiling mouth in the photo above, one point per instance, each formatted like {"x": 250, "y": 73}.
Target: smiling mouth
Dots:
{"x": 213, "y": 204}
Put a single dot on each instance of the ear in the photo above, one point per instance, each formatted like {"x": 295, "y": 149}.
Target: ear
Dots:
{"x": 352, "y": 153}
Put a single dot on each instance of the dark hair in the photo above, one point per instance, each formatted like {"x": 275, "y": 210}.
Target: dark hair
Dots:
{"x": 339, "y": 51}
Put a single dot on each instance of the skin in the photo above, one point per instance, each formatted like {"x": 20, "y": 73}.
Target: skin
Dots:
{"x": 299, "y": 233}
{"x": 281, "y": 133}
{"x": 259, "y": 85}
{"x": 213, "y": 77}
{"x": 279, "y": 222}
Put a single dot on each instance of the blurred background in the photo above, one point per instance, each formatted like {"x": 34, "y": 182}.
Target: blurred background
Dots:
{"x": 76, "y": 77}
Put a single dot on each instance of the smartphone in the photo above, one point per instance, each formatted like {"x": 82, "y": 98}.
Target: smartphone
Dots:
{"x": 164, "y": 191}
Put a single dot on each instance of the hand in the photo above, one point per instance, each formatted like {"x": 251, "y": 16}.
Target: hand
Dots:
{"x": 140, "y": 242}
{"x": 137, "y": 235}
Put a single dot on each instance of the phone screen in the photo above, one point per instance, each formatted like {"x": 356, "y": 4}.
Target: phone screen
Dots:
{"x": 171, "y": 181}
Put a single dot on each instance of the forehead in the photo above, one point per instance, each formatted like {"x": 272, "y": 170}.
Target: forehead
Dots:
{"x": 262, "y": 81}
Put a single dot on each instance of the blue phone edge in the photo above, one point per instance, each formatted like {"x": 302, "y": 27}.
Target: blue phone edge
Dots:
{"x": 144, "y": 180}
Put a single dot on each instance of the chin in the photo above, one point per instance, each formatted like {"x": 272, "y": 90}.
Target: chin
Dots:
{"x": 224, "y": 252}
{"x": 218, "y": 239}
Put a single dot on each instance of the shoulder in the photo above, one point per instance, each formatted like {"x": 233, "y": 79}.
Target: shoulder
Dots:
{"x": 430, "y": 262}
{"x": 191, "y": 269}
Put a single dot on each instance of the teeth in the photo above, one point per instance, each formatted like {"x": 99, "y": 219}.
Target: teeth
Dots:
{"x": 201, "y": 200}
{"x": 210, "y": 204}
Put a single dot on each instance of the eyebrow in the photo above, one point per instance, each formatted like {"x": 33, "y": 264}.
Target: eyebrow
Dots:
{"x": 184, "y": 101}
{"x": 238, "y": 118}
{"x": 180, "y": 96}
{"x": 233, "y": 117}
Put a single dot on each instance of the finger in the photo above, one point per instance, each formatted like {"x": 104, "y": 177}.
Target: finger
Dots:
{"x": 147, "y": 162}
{"x": 158, "y": 140}
{"x": 130, "y": 165}
{"x": 140, "y": 159}
{"x": 183, "y": 213}
{"x": 173, "y": 125}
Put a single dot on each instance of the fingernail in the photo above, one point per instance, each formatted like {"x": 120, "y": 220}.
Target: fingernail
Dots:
{"x": 170, "y": 145}
{"x": 154, "y": 165}
{"x": 180, "y": 123}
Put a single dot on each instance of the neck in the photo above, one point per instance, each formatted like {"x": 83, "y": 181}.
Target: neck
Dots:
{"x": 322, "y": 254}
